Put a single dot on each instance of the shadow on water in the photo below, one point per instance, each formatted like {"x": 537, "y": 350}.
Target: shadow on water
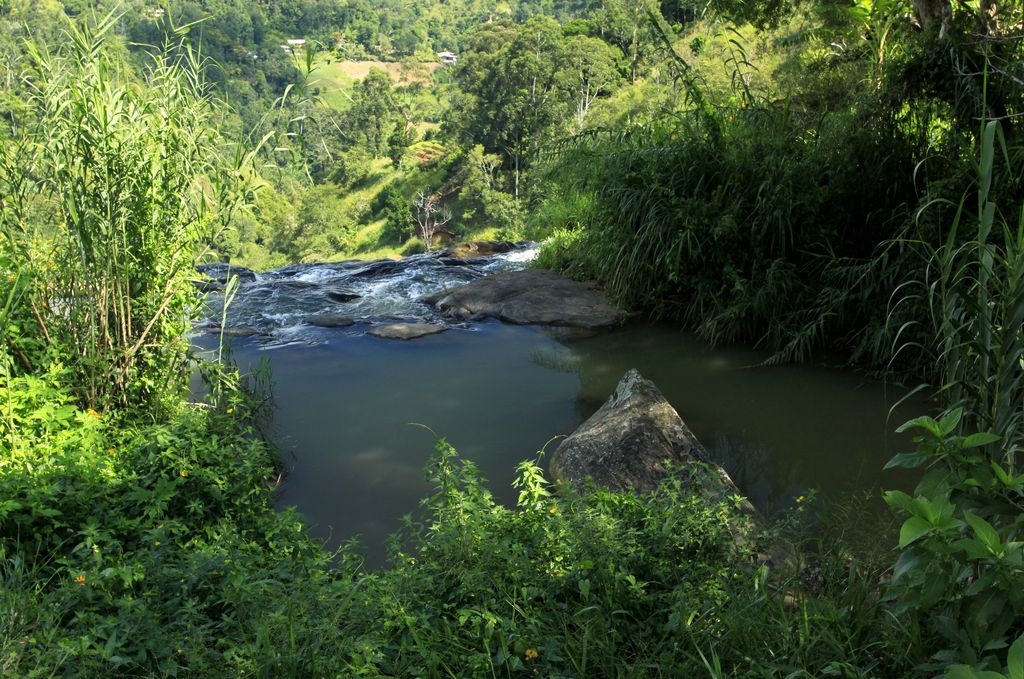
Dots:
{"x": 499, "y": 392}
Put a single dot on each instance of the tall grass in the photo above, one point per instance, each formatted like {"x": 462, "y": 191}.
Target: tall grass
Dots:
{"x": 973, "y": 289}
{"x": 116, "y": 178}
{"x": 761, "y": 228}
{"x": 962, "y": 551}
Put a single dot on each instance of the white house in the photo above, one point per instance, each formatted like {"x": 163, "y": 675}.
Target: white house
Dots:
{"x": 448, "y": 58}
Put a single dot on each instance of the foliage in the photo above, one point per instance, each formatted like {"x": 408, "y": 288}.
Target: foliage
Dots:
{"x": 963, "y": 540}
{"x": 152, "y": 549}
{"x": 123, "y": 181}
{"x": 715, "y": 223}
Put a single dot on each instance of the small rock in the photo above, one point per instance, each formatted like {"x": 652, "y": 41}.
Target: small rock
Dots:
{"x": 222, "y": 272}
{"x": 239, "y": 331}
{"x": 406, "y": 331}
{"x": 341, "y": 296}
{"x": 208, "y": 285}
{"x": 330, "y": 321}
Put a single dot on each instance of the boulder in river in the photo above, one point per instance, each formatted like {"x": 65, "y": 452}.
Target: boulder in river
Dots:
{"x": 625, "y": 446}
{"x": 532, "y": 296}
{"x": 479, "y": 248}
{"x": 406, "y": 331}
{"x": 330, "y": 320}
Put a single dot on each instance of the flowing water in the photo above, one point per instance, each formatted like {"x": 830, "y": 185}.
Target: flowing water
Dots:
{"x": 347, "y": 401}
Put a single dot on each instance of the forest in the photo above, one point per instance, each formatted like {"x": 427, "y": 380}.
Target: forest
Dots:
{"x": 831, "y": 182}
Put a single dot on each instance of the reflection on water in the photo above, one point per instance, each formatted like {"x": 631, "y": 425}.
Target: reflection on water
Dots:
{"x": 499, "y": 392}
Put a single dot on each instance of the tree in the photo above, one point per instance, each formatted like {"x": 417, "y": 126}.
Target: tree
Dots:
{"x": 594, "y": 68}
{"x": 374, "y": 113}
{"x": 514, "y": 92}
{"x": 430, "y": 216}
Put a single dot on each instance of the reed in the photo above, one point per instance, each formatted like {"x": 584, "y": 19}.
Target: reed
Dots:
{"x": 117, "y": 180}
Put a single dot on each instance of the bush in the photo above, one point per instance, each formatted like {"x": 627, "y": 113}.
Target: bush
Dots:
{"x": 108, "y": 189}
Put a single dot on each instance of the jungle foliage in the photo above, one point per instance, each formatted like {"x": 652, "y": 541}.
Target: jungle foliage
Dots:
{"x": 849, "y": 177}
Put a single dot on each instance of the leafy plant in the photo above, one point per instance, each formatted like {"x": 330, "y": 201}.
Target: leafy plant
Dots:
{"x": 963, "y": 540}
{"x": 120, "y": 181}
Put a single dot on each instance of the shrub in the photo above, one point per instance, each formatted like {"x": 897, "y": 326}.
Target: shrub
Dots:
{"x": 120, "y": 182}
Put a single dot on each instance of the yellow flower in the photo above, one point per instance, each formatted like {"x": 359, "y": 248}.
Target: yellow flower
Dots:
{"x": 531, "y": 654}
{"x": 93, "y": 413}
{"x": 554, "y": 510}
{"x": 80, "y": 580}
{"x": 184, "y": 473}
{"x": 230, "y": 410}
{"x": 110, "y": 451}
{"x": 156, "y": 543}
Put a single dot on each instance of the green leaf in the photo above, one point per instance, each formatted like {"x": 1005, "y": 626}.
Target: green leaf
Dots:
{"x": 923, "y": 422}
{"x": 984, "y": 530}
{"x": 948, "y": 423}
{"x": 907, "y": 563}
{"x": 965, "y": 672}
{"x": 897, "y": 499}
{"x": 1015, "y": 659}
{"x": 979, "y": 439}
{"x": 907, "y": 460}
{"x": 913, "y": 528}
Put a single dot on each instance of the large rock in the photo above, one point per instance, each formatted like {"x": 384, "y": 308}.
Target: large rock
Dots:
{"x": 406, "y": 331}
{"x": 532, "y": 296}
{"x": 626, "y": 443}
{"x": 479, "y": 248}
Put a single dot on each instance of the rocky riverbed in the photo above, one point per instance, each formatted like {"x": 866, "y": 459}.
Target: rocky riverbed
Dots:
{"x": 399, "y": 299}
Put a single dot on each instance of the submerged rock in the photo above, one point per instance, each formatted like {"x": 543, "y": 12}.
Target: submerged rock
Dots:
{"x": 341, "y": 296}
{"x": 479, "y": 248}
{"x": 406, "y": 331}
{"x": 532, "y": 296}
{"x": 230, "y": 331}
{"x": 208, "y": 285}
{"x": 627, "y": 442}
{"x": 222, "y": 272}
{"x": 331, "y": 320}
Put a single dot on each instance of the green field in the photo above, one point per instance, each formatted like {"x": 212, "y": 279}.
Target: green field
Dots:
{"x": 335, "y": 78}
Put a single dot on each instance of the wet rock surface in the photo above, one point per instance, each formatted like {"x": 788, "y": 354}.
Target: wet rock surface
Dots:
{"x": 406, "y": 331}
{"x": 479, "y": 248}
{"x": 311, "y": 303}
{"x": 223, "y": 272}
{"x": 531, "y": 296}
{"x": 331, "y": 320}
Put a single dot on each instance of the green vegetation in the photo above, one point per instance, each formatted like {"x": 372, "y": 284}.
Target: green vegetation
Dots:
{"x": 809, "y": 184}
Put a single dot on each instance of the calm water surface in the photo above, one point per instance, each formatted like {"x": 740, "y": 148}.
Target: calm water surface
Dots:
{"x": 499, "y": 393}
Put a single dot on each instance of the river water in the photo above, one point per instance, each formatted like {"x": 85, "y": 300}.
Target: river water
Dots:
{"x": 347, "y": 403}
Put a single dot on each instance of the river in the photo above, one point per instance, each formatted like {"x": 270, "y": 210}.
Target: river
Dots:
{"x": 348, "y": 403}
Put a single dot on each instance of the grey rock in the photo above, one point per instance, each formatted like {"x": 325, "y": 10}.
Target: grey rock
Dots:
{"x": 532, "y": 296}
{"x": 406, "y": 331}
{"x": 330, "y": 321}
{"x": 478, "y": 248}
{"x": 236, "y": 331}
{"x": 221, "y": 272}
{"x": 208, "y": 285}
{"x": 341, "y": 296}
{"x": 626, "y": 443}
